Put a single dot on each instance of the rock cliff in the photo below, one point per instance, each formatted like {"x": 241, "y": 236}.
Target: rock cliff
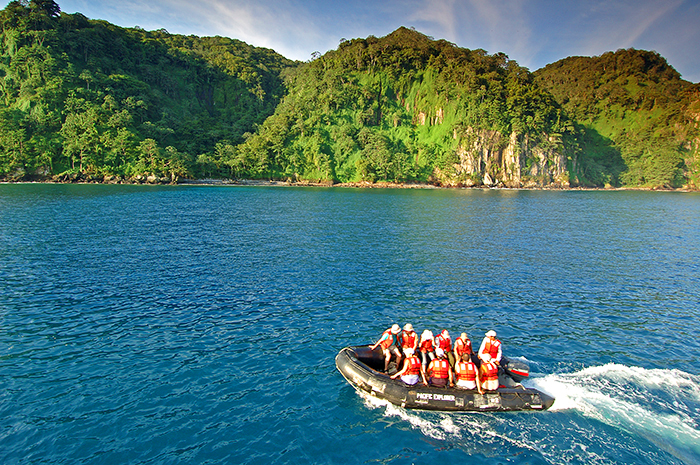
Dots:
{"x": 487, "y": 158}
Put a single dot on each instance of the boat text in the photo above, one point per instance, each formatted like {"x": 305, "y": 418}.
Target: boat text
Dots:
{"x": 431, "y": 396}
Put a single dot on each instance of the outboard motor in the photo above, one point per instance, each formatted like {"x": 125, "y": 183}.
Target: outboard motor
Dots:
{"x": 515, "y": 369}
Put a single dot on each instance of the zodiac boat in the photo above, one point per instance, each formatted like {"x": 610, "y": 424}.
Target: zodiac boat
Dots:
{"x": 360, "y": 367}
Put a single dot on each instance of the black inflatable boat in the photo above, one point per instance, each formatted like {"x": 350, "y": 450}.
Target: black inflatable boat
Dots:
{"x": 360, "y": 365}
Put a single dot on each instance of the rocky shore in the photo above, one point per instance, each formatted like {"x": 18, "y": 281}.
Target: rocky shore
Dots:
{"x": 84, "y": 178}
{"x": 150, "y": 179}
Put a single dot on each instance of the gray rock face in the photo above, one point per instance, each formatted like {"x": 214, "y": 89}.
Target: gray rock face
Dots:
{"x": 490, "y": 159}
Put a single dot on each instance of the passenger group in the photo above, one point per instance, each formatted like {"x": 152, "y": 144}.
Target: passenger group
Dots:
{"x": 440, "y": 364}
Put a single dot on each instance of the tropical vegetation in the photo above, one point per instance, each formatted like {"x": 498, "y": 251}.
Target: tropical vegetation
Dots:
{"x": 638, "y": 117}
{"x": 80, "y": 96}
{"x": 82, "y": 99}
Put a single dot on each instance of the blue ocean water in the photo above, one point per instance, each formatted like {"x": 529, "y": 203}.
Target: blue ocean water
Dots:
{"x": 199, "y": 324}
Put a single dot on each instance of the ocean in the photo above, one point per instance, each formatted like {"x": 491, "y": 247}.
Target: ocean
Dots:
{"x": 199, "y": 324}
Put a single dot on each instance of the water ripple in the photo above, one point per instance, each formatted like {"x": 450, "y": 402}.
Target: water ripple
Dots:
{"x": 186, "y": 324}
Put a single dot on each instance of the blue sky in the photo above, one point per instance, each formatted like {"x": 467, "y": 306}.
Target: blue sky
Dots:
{"x": 532, "y": 32}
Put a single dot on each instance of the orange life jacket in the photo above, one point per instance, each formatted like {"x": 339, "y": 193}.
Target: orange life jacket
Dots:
{"x": 489, "y": 372}
{"x": 414, "y": 365}
{"x": 408, "y": 339}
{"x": 463, "y": 347}
{"x": 466, "y": 371}
{"x": 439, "y": 368}
{"x": 426, "y": 346}
{"x": 443, "y": 343}
{"x": 387, "y": 339}
{"x": 491, "y": 347}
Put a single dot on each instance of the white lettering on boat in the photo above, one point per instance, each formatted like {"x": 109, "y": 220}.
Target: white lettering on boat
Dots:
{"x": 431, "y": 396}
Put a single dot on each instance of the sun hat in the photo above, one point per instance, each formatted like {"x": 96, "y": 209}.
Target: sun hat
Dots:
{"x": 491, "y": 333}
{"x": 395, "y": 329}
{"x": 408, "y": 327}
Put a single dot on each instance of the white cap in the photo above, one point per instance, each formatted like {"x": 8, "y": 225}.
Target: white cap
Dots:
{"x": 408, "y": 351}
{"x": 491, "y": 333}
{"x": 439, "y": 352}
{"x": 395, "y": 329}
{"x": 486, "y": 358}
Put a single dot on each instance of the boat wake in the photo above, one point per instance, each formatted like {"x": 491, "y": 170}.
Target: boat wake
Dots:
{"x": 658, "y": 409}
{"x": 456, "y": 427}
{"x": 440, "y": 430}
{"x": 660, "y": 405}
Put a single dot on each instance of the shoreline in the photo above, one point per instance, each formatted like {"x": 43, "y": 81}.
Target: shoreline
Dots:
{"x": 348, "y": 185}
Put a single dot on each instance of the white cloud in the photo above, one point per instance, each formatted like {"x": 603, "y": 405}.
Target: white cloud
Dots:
{"x": 533, "y": 32}
{"x": 278, "y": 24}
{"x": 508, "y": 26}
{"x": 494, "y": 25}
{"x": 282, "y": 27}
{"x": 621, "y": 24}
{"x": 439, "y": 12}
{"x": 653, "y": 14}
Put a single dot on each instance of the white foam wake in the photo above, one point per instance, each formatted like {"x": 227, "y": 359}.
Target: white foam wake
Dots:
{"x": 656, "y": 404}
{"x": 447, "y": 426}
{"x": 661, "y": 406}
{"x": 431, "y": 429}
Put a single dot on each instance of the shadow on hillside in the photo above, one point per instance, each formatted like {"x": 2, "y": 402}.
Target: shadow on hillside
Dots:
{"x": 600, "y": 162}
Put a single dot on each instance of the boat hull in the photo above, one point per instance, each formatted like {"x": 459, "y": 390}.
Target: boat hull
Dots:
{"x": 355, "y": 364}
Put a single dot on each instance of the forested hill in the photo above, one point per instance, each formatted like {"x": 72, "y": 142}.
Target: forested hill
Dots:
{"x": 90, "y": 99}
{"x": 639, "y": 119}
{"x": 406, "y": 107}
{"x": 86, "y": 100}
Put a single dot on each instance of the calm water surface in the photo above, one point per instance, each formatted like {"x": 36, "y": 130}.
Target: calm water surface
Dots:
{"x": 192, "y": 324}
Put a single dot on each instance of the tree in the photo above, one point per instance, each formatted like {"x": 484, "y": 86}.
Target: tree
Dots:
{"x": 47, "y": 7}
{"x": 13, "y": 145}
{"x": 82, "y": 139}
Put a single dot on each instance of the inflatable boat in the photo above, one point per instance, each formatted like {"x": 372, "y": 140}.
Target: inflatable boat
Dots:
{"x": 360, "y": 367}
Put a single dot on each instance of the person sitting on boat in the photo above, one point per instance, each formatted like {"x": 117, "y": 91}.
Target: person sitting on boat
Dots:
{"x": 462, "y": 346}
{"x": 426, "y": 348}
{"x": 439, "y": 371}
{"x": 409, "y": 338}
{"x": 491, "y": 346}
{"x": 467, "y": 374}
{"x": 389, "y": 343}
{"x": 489, "y": 373}
{"x": 412, "y": 369}
{"x": 443, "y": 341}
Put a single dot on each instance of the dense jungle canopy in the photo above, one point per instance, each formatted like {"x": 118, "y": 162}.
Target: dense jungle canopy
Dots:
{"x": 86, "y": 100}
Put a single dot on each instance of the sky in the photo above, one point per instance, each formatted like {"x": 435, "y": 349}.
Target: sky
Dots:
{"x": 534, "y": 33}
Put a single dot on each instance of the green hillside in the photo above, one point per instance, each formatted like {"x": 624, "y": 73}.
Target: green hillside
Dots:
{"x": 86, "y": 97}
{"x": 638, "y": 117}
{"x": 403, "y": 107}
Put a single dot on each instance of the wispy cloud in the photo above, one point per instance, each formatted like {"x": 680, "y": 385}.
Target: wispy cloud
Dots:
{"x": 283, "y": 27}
{"x": 441, "y": 13}
{"x": 505, "y": 23}
{"x": 622, "y": 24}
{"x": 495, "y": 25}
{"x": 533, "y": 32}
{"x": 652, "y": 14}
